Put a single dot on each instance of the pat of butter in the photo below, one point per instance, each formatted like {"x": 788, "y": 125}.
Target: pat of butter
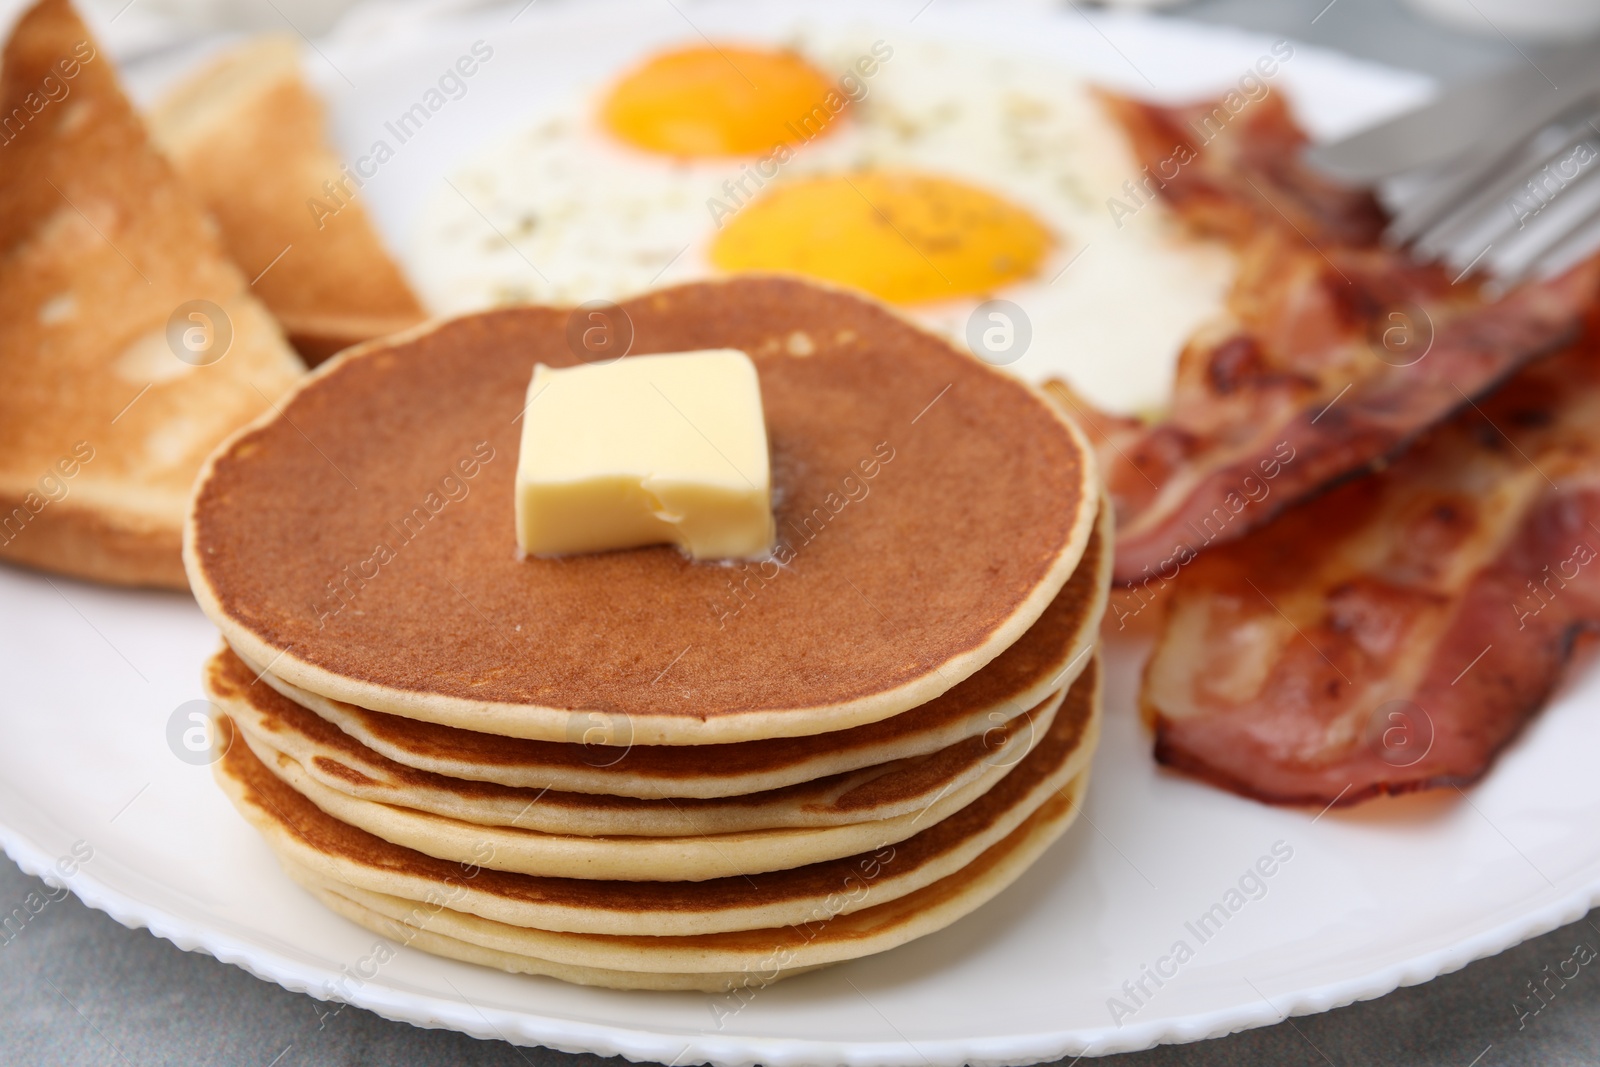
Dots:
{"x": 666, "y": 449}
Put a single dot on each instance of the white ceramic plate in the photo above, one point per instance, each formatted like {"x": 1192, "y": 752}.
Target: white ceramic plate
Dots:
{"x": 1394, "y": 893}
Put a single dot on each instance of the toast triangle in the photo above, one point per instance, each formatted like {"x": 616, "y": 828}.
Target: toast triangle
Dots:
{"x": 250, "y": 137}
{"x": 109, "y": 267}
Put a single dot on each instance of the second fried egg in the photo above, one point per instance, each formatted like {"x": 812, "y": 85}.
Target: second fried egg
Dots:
{"x": 932, "y": 176}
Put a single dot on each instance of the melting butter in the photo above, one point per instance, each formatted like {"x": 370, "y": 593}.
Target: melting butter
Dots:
{"x": 660, "y": 449}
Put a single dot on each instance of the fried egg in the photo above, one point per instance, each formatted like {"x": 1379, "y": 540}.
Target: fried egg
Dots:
{"x": 932, "y": 176}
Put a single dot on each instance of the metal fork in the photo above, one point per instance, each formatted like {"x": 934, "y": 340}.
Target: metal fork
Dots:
{"x": 1501, "y": 174}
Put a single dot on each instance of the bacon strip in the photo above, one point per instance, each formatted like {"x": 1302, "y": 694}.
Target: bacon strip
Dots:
{"x": 1397, "y": 632}
{"x": 1332, "y": 353}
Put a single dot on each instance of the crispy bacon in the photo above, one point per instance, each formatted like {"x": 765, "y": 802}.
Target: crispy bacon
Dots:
{"x": 1332, "y": 353}
{"x": 1395, "y": 633}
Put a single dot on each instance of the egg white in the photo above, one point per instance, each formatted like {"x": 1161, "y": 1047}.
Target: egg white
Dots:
{"x": 562, "y": 212}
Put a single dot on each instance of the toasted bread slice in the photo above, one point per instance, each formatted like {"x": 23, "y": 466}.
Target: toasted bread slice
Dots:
{"x": 104, "y": 255}
{"x": 251, "y": 138}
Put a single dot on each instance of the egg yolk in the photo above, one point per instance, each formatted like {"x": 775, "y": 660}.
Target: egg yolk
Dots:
{"x": 721, "y": 101}
{"x": 901, "y": 236}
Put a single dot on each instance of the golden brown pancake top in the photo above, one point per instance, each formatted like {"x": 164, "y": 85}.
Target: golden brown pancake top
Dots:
{"x": 932, "y": 504}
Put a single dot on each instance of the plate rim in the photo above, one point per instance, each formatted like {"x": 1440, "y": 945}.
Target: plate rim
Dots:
{"x": 659, "y": 1046}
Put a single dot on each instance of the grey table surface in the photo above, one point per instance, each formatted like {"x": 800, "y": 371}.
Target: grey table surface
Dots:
{"x": 77, "y": 988}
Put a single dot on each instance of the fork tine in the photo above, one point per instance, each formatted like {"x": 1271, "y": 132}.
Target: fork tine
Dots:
{"x": 1488, "y": 213}
{"x": 1488, "y": 167}
{"x": 1436, "y": 202}
{"x": 1578, "y": 245}
{"x": 1452, "y": 125}
{"x": 1500, "y": 153}
{"x": 1399, "y": 191}
{"x": 1568, "y": 218}
{"x": 1481, "y": 214}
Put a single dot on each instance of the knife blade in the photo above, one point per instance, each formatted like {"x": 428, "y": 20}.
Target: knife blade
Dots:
{"x": 1458, "y": 120}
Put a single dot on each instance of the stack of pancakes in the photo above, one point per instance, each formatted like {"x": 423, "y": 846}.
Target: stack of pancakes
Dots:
{"x": 629, "y": 769}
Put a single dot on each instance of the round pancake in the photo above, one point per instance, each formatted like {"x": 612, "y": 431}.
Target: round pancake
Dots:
{"x": 302, "y": 834}
{"x": 360, "y": 543}
{"x": 275, "y": 725}
{"x": 340, "y": 903}
{"x": 693, "y": 857}
{"x": 721, "y": 962}
{"x": 1048, "y": 657}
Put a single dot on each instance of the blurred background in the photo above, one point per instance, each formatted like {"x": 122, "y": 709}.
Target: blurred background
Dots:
{"x": 1448, "y": 38}
{"x": 1515, "y": 20}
